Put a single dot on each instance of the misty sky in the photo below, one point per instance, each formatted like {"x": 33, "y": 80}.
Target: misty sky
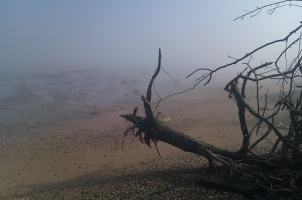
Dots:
{"x": 94, "y": 34}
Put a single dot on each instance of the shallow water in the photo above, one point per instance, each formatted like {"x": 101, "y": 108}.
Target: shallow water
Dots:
{"x": 29, "y": 101}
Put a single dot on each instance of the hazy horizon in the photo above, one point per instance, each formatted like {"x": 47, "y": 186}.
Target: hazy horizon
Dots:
{"x": 72, "y": 71}
{"x": 80, "y": 35}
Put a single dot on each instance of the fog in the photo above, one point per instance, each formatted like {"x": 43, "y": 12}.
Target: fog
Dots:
{"x": 80, "y": 56}
{"x": 66, "y": 54}
{"x": 54, "y": 35}
{"x": 70, "y": 68}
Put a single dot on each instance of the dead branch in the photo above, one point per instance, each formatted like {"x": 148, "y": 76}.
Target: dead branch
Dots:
{"x": 270, "y": 174}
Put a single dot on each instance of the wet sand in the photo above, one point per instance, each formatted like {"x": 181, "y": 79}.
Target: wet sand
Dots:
{"x": 58, "y": 160}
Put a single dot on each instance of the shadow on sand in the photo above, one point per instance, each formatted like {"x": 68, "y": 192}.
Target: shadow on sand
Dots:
{"x": 163, "y": 184}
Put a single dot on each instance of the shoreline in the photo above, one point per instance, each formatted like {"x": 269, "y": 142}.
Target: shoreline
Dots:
{"x": 81, "y": 147}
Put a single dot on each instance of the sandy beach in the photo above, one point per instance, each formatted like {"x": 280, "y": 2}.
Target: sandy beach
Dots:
{"x": 71, "y": 70}
{"x": 82, "y": 158}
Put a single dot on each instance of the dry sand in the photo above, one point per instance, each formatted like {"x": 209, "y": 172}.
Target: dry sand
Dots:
{"x": 82, "y": 159}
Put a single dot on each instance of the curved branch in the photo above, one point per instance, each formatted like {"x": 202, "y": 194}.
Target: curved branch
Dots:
{"x": 148, "y": 98}
{"x": 257, "y": 10}
{"x": 245, "y": 56}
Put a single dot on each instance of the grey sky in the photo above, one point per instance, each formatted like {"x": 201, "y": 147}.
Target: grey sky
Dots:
{"x": 74, "y": 34}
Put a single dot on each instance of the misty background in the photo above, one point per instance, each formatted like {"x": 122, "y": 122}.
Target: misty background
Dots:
{"x": 66, "y": 59}
{"x": 98, "y": 34}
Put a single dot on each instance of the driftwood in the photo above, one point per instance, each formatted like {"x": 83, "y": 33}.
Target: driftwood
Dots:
{"x": 271, "y": 175}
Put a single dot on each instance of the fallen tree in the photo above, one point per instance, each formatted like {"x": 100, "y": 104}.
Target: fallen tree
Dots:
{"x": 276, "y": 173}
